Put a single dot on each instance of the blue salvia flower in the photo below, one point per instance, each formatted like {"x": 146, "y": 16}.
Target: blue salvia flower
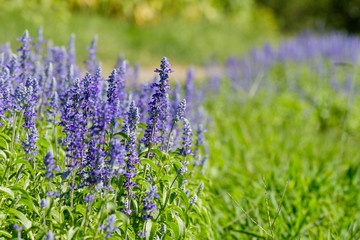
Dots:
{"x": 71, "y": 56}
{"x": 131, "y": 149}
{"x": 142, "y": 97}
{"x": 49, "y": 235}
{"x": 74, "y": 120}
{"x": 39, "y": 42}
{"x": 58, "y": 55}
{"x": 190, "y": 90}
{"x": 29, "y": 144}
{"x": 90, "y": 94}
{"x": 180, "y": 111}
{"x": 142, "y": 234}
{"x": 148, "y": 202}
{"x": 110, "y": 226}
{"x": 50, "y": 166}
{"x": 193, "y": 200}
{"x": 93, "y": 170}
{"x": 15, "y": 70}
{"x": 25, "y": 54}
{"x": 116, "y": 155}
{"x": 200, "y": 139}
{"x": 18, "y": 228}
{"x": 158, "y": 106}
{"x": 22, "y": 96}
{"x": 112, "y": 93}
{"x": 89, "y": 198}
{"x": 43, "y": 203}
{"x": 176, "y": 93}
{"x": 187, "y": 139}
{"x": 91, "y": 63}
{"x": 5, "y": 98}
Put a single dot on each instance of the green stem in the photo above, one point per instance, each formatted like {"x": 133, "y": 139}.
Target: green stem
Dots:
{"x": 44, "y": 217}
{"x": 13, "y": 133}
{"x": 127, "y": 227}
{"x": 87, "y": 213}
{"x": 169, "y": 136}
{"x": 6, "y": 169}
{"x": 17, "y": 132}
{"x": 72, "y": 189}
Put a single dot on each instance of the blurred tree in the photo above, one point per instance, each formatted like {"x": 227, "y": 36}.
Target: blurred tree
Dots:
{"x": 329, "y": 14}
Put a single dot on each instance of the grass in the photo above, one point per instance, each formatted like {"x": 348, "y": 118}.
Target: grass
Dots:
{"x": 312, "y": 151}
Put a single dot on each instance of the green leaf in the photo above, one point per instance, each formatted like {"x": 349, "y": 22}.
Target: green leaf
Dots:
{"x": 142, "y": 125}
{"x": 30, "y": 204}
{"x": 8, "y": 191}
{"x": 158, "y": 152}
{"x": 69, "y": 210}
{"x": 152, "y": 231}
{"x": 2, "y": 154}
{"x": 5, "y": 233}
{"x": 151, "y": 163}
{"x": 6, "y": 137}
{"x": 174, "y": 228}
{"x": 122, "y": 135}
{"x": 72, "y": 232}
{"x": 27, "y": 164}
{"x": 181, "y": 226}
{"x": 184, "y": 198}
{"x": 21, "y": 216}
{"x": 148, "y": 226}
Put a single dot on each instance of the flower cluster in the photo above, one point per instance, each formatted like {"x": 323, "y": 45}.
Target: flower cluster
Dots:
{"x": 106, "y": 139}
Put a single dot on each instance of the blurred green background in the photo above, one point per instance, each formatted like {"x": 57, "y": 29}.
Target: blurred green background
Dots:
{"x": 187, "y": 32}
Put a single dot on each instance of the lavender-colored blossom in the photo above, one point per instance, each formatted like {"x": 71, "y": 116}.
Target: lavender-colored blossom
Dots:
{"x": 29, "y": 144}
{"x": 110, "y": 226}
{"x": 131, "y": 149}
{"x": 25, "y": 55}
{"x": 89, "y": 198}
{"x": 142, "y": 234}
{"x": 43, "y": 203}
{"x": 158, "y": 106}
{"x": 71, "y": 57}
{"x": 180, "y": 111}
{"x": 39, "y": 42}
{"x": 190, "y": 89}
{"x": 93, "y": 168}
{"x": 148, "y": 203}
{"x": 50, "y": 166}
{"x": 91, "y": 63}
{"x": 187, "y": 139}
{"x": 49, "y": 235}
{"x": 193, "y": 200}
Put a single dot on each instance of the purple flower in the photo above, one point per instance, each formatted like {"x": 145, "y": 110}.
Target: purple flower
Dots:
{"x": 186, "y": 140}
{"x": 43, "y": 203}
{"x": 131, "y": 148}
{"x": 180, "y": 111}
{"x": 149, "y": 206}
{"x": 91, "y": 63}
{"x": 49, "y": 235}
{"x": 50, "y": 166}
{"x": 158, "y": 106}
{"x": 89, "y": 198}
{"x": 29, "y": 144}
{"x": 142, "y": 234}
{"x": 25, "y": 54}
{"x": 110, "y": 226}
{"x": 18, "y": 227}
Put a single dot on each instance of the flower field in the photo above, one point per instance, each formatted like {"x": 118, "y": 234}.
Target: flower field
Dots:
{"x": 264, "y": 147}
